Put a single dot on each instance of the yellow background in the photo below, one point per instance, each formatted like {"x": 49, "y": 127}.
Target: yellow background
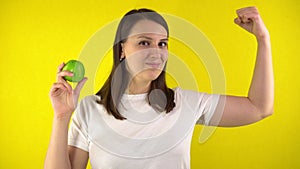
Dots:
{"x": 36, "y": 36}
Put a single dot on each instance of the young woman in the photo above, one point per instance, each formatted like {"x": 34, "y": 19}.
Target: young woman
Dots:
{"x": 135, "y": 120}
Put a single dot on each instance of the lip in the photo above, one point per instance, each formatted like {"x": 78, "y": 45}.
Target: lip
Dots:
{"x": 154, "y": 65}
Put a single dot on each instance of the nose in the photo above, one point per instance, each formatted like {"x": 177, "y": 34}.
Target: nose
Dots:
{"x": 155, "y": 52}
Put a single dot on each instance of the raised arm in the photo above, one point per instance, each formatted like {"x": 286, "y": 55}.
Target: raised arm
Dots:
{"x": 64, "y": 100}
{"x": 237, "y": 111}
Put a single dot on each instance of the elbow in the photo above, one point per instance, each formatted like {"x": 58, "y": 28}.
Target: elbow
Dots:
{"x": 267, "y": 112}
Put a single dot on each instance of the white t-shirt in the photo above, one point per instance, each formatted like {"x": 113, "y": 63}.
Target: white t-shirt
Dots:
{"x": 146, "y": 139}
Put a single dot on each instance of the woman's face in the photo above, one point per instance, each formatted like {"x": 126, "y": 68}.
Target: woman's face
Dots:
{"x": 146, "y": 50}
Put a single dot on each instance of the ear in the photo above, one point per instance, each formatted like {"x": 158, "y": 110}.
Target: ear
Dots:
{"x": 122, "y": 46}
{"x": 122, "y": 57}
{"x": 122, "y": 49}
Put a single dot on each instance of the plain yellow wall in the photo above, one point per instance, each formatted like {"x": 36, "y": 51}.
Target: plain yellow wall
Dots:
{"x": 36, "y": 36}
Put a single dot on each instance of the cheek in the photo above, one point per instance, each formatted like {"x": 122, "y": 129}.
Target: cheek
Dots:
{"x": 165, "y": 56}
{"x": 135, "y": 62}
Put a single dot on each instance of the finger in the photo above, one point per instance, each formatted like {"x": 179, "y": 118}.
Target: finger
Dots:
{"x": 66, "y": 86}
{"x": 238, "y": 21}
{"x": 61, "y": 74}
{"x": 60, "y": 80}
{"x": 250, "y": 17}
{"x": 56, "y": 87}
{"x": 246, "y": 10}
{"x": 245, "y": 19}
{"x": 60, "y": 67}
{"x": 79, "y": 86}
{"x": 248, "y": 14}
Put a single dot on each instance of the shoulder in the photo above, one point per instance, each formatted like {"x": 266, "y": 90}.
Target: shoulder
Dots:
{"x": 90, "y": 99}
{"x": 179, "y": 92}
{"x": 87, "y": 106}
{"x": 194, "y": 98}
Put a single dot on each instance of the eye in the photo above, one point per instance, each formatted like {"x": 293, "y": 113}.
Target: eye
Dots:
{"x": 144, "y": 43}
{"x": 162, "y": 44}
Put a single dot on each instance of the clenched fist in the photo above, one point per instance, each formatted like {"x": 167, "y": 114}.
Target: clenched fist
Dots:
{"x": 249, "y": 19}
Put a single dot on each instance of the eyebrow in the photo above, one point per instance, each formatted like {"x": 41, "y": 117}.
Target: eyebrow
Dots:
{"x": 146, "y": 37}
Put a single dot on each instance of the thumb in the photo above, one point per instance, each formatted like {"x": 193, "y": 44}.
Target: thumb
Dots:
{"x": 238, "y": 21}
{"x": 79, "y": 86}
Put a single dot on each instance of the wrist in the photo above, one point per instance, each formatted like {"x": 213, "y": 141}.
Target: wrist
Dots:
{"x": 263, "y": 37}
{"x": 264, "y": 42}
{"x": 62, "y": 117}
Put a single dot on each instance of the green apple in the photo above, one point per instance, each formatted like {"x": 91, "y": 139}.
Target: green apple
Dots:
{"x": 77, "y": 68}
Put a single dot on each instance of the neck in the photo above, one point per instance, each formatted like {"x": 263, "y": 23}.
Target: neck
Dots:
{"x": 138, "y": 87}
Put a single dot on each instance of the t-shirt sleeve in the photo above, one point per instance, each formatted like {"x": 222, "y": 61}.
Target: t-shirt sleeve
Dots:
{"x": 77, "y": 135}
{"x": 210, "y": 102}
{"x": 203, "y": 105}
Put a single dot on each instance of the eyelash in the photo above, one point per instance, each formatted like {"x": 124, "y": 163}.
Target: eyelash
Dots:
{"x": 160, "y": 44}
{"x": 165, "y": 44}
{"x": 142, "y": 43}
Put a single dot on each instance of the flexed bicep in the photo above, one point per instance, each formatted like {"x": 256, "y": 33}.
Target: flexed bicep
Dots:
{"x": 233, "y": 111}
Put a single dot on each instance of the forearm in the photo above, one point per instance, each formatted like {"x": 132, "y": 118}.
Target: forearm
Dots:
{"x": 261, "y": 92}
{"x": 57, "y": 155}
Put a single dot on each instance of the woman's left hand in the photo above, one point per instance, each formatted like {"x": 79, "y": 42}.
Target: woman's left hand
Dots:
{"x": 249, "y": 19}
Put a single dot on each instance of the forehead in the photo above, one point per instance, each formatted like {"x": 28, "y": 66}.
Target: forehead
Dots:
{"x": 148, "y": 27}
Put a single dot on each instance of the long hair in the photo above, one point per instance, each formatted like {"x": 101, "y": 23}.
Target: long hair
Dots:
{"x": 118, "y": 80}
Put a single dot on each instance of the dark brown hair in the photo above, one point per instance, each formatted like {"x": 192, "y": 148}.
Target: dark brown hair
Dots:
{"x": 118, "y": 80}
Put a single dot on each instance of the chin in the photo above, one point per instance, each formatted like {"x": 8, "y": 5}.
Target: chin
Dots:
{"x": 151, "y": 74}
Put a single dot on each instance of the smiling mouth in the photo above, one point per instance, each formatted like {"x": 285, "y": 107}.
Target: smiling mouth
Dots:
{"x": 154, "y": 65}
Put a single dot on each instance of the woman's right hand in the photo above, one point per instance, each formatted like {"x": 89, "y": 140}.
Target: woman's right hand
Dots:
{"x": 63, "y": 98}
